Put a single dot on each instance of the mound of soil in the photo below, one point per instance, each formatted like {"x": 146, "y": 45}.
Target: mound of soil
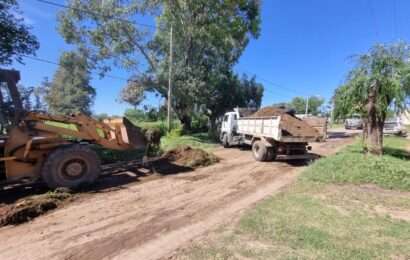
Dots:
{"x": 293, "y": 125}
{"x": 269, "y": 111}
{"x": 29, "y": 208}
{"x": 190, "y": 157}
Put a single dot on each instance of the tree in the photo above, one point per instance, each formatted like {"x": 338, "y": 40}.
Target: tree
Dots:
{"x": 26, "y": 94}
{"x": 39, "y": 94}
{"x": 15, "y": 38}
{"x": 299, "y": 104}
{"x": 209, "y": 37}
{"x": 101, "y": 117}
{"x": 230, "y": 93}
{"x": 132, "y": 93}
{"x": 283, "y": 105}
{"x": 380, "y": 81}
{"x": 70, "y": 90}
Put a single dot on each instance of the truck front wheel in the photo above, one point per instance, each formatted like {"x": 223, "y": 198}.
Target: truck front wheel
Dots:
{"x": 259, "y": 151}
{"x": 225, "y": 141}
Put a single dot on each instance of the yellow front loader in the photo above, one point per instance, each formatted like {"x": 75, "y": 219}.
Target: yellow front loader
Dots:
{"x": 55, "y": 149}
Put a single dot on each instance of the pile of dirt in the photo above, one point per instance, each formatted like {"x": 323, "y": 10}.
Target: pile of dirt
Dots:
{"x": 29, "y": 208}
{"x": 293, "y": 125}
{"x": 269, "y": 111}
{"x": 190, "y": 157}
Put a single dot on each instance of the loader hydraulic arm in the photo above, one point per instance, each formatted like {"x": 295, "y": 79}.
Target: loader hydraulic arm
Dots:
{"x": 117, "y": 134}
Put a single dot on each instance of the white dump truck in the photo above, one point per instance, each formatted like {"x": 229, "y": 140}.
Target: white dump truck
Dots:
{"x": 280, "y": 136}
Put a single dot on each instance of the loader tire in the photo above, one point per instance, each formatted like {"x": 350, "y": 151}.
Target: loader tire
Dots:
{"x": 71, "y": 166}
{"x": 259, "y": 151}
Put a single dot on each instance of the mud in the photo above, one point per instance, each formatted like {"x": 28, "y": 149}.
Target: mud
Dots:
{"x": 190, "y": 157}
{"x": 269, "y": 111}
{"x": 31, "y": 207}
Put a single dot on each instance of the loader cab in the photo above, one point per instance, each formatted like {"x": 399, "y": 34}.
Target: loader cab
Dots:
{"x": 230, "y": 123}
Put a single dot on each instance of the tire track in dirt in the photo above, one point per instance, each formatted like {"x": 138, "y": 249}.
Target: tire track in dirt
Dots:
{"x": 150, "y": 220}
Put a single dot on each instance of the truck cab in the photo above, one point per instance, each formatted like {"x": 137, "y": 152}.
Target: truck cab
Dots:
{"x": 230, "y": 122}
{"x": 229, "y": 127}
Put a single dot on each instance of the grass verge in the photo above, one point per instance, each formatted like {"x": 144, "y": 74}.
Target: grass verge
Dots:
{"x": 391, "y": 171}
{"x": 199, "y": 140}
{"x": 325, "y": 215}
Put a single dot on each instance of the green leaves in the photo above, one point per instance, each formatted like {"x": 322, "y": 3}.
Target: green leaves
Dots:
{"x": 15, "y": 38}
{"x": 385, "y": 67}
{"x": 70, "y": 90}
{"x": 209, "y": 37}
{"x": 299, "y": 104}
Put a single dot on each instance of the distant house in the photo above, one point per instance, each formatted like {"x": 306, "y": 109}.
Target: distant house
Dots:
{"x": 405, "y": 118}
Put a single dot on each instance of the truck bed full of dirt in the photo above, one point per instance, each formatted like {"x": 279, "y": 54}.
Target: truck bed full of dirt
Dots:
{"x": 292, "y": 125}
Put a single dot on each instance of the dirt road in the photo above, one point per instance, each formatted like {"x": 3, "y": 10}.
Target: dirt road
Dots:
{"x": 152, "y": 218}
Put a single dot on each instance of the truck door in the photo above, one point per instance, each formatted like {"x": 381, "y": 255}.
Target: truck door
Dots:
{"x": 225, "y": 124}
{"x": 234, "y": 123}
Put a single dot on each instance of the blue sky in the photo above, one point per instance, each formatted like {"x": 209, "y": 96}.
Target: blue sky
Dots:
{"x": 303, "y": 49}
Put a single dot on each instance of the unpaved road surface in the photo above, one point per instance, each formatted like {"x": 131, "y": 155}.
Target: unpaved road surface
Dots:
{"x": 153, "y": 217}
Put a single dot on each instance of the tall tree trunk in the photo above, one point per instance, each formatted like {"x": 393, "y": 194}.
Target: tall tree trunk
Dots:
{"x": 186, "y": 121}
{"x": 213, "y": 131}
{"x": 374, "y": 138}
{"x": 365, "y": 132}
{"x": 380, "y": 132}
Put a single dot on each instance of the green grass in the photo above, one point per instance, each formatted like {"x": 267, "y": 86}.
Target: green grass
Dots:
{"x": 311, "y": 223}
{"x": 311, "y": 227}
{"x": 334, "y": 126}
{"x": 199, "y": 140}
{"x": 161, "y": 125}
{"x": 324, "y": 215}
{"x": 391, "y": 171}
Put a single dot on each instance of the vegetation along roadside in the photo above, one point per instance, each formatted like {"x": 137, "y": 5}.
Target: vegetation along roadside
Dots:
{"x": 333, "y": 211}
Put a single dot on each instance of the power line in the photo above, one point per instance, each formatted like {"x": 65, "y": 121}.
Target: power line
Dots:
{"x": 133, "y": 23}
{"x": 95, "y": 14}
{"x": 289, "y": 90}
{"x": 58, "y": 64}
{"x": 115, "y": 76}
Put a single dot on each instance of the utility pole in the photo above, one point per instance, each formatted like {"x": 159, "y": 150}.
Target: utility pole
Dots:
{"x": 170, "y": 81}
{"x": 331, "y": 112}
{"x": 307, "y": 107}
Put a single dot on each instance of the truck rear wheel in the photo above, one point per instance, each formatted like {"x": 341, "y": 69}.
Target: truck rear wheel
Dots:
{"x": 259, "y": 151}
{"x": 71, "y": 166}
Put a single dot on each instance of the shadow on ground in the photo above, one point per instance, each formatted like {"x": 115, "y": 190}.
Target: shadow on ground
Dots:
{"x": 398, "y": 153}
{"x": 113, "y": 179}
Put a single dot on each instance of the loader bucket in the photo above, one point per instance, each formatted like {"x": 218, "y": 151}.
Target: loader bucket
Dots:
{"x": 129, "y": 135}
{"x": 132, "y": 134}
